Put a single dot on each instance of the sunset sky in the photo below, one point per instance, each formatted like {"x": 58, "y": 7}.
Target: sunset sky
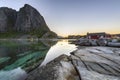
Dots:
{"x": 75, "y": 16}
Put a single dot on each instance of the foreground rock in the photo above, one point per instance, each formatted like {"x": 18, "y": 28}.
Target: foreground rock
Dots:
{"x": 97, "y": 63}
{"x": 59, "y": 69}
{"x": 87, "y": 63}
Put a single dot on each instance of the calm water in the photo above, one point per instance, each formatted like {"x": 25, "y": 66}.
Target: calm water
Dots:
{"x": 17, "y": 58}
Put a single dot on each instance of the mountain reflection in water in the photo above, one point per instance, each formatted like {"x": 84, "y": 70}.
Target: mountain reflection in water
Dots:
{"x": 20, "y": 56}
{"x": 17, "y": 58}
{"x": 61, "y": 47}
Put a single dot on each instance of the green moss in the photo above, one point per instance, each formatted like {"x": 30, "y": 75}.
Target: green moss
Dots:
{"x": 10, "y": 34}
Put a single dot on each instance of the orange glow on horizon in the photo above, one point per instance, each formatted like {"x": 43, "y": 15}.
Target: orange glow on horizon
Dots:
{"x": 110, "y": 32}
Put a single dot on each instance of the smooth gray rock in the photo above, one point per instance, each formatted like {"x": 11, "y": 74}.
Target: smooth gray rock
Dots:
{"x": 90, "y": 63}
{"x": 97, "y": 63}
{"x": 58, "y": 69}
{"x": 114, "y": 44}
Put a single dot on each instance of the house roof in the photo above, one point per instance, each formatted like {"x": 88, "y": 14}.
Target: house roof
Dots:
{"x": 100, "y": 33}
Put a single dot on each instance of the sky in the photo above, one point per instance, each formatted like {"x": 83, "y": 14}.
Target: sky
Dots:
{"x": 75, "y": 17}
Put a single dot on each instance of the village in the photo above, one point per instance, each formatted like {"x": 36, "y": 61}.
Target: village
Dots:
{"x": 97, "y": 39}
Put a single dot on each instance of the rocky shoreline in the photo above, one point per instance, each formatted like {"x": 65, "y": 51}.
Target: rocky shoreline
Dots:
{"x": 87, "y": 63}
{"x": 60, "y": 68}
{"x": 97, "y": 42}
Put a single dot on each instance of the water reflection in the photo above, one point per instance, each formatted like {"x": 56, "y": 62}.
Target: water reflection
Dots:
{"x": 15, "y": 74}
{"x": 17, "y": 58}
{"x": 62, "y": 47}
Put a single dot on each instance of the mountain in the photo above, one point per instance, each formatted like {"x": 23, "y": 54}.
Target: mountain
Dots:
{"x": 7, "y": 19}
{"x": 26, "y": 21}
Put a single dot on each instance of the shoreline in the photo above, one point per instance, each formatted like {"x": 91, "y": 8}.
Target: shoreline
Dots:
{"x": 98, "y": 63}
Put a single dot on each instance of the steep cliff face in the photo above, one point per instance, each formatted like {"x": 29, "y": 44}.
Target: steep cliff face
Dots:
{"x": 27, "y": 20}
{"x": 7, "y": 19}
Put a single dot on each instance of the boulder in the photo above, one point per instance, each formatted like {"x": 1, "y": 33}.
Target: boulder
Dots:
{"x": 59, "y": 69}
{"x": 114, "y": 44}
{"x": 83, "y": 42}
{"x": 93, "y": 42}
{"x": 102, "y": 42}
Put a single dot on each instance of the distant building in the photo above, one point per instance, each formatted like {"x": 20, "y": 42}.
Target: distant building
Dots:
{"x": 75, "y": 36}
{"x": 98, "y": 35}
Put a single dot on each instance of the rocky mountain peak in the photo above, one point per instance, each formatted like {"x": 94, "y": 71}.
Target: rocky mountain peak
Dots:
{"x": 26, "y": 20}
{"x": 7, "y": 19}
{"x": 28, "y": 6}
